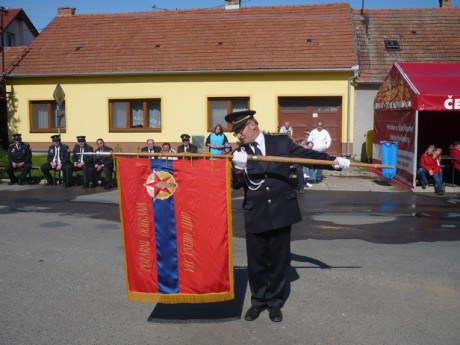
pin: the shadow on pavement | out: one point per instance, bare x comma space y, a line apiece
205, 312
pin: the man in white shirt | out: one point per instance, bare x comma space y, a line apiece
287, 129
321, 142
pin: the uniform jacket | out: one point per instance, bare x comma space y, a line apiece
64, 153
191, 148
104, 160
21, 154
274, 204
155, 149
87, 159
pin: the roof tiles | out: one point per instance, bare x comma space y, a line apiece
424, 35
252, 38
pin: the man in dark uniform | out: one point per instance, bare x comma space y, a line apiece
270, 208
19, 157
59, 160
104, 163
84, 162
151, 148
186, 146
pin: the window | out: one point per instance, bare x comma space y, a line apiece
326, 104
141, 115
392, 44
43, 116
10, 40
218, 107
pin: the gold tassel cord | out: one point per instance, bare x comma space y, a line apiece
272, 159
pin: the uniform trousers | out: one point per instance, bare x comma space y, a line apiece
269, 258
25, 171
66, 170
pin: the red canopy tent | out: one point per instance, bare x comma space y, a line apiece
418, 104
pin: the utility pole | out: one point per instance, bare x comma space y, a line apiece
3, 107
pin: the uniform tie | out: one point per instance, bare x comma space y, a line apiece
56, 155
256, 149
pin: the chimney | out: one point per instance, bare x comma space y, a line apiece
232, 4
445, 3
66, 11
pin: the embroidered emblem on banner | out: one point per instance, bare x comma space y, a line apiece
160, 185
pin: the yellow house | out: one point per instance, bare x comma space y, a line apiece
133, 76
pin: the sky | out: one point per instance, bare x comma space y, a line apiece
41, 12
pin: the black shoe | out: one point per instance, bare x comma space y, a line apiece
11, 183
109, 186
424, 187
49, 183
67, 185
85, 186
275, 314
253, 313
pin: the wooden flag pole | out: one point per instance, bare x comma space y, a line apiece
273, 159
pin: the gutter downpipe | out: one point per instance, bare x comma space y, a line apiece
355, 70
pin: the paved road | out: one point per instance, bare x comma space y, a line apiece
369, 267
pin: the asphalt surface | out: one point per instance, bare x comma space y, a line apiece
370, 265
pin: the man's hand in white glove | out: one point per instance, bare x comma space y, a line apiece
240, 159
343, 163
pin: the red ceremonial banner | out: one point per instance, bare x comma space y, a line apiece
177, 230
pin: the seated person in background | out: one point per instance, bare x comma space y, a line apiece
186, 146
166, 148
287, 129
84, 162
454, 151
300, 170
227, 148
430, 165
104, 163
151, 147
19, 157
59, 160
216, 141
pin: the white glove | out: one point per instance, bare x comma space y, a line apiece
240, 158
343, 163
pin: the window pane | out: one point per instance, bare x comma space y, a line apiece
239, 105
326, 104
137, 114
154, 118
218, 112
119, 115
40, 115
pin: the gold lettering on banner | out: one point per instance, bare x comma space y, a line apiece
187, 242
144, 251
144, 256
142, 219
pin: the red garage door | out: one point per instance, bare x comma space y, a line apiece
305, 112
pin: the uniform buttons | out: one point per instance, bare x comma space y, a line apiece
266, 176
267, 188
269, 201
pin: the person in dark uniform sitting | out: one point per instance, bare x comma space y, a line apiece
19, 157
104, 163
84, 162
151, 148
59, 160
186, 146
270, 208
